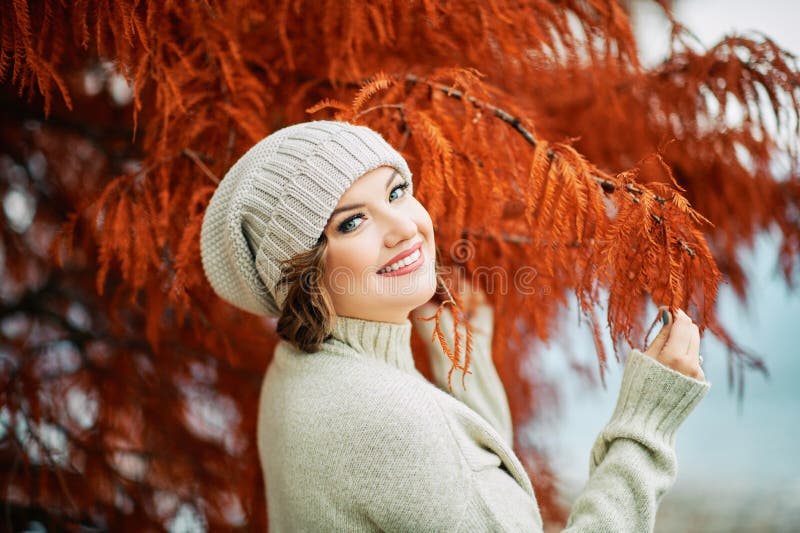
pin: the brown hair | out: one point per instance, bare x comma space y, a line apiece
307, 316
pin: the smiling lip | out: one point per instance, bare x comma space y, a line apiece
408, 268
402, 255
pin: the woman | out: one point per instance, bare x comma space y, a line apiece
317, 225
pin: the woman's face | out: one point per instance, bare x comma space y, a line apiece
375, 221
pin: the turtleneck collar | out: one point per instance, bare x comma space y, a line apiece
383, 341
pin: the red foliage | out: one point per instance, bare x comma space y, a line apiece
540, 146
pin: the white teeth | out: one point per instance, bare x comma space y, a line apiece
400, 264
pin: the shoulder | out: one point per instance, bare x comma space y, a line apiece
375, 438
346, 401
402, 462
380, 404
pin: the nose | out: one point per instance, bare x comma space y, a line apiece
399, 227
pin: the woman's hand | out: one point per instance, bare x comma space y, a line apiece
677, 346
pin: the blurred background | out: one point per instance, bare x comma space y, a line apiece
738, 465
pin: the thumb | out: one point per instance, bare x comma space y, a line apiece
661, 339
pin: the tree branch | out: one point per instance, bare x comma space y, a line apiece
607, 185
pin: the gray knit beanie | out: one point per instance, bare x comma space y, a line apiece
275, 201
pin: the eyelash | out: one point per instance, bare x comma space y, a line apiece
402, 186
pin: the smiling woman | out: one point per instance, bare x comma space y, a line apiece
381, 260
317, 225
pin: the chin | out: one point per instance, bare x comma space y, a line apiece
404, 293
405, 303
410, 300
422, 296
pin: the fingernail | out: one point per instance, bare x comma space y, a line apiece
665, 317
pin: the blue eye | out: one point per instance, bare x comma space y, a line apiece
347, 225
350, 225
402, 187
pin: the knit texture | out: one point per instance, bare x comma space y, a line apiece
354, 438
275, 201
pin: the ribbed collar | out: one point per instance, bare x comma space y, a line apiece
382, 341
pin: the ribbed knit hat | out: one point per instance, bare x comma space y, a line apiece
275, 201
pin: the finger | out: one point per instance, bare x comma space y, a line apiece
693, 351
693, 354
678, 341
658, 342
700, 375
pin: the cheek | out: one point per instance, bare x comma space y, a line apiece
422, 217
350, 258
425, 225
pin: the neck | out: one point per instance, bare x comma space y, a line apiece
388, 342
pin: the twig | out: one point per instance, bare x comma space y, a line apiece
505, 116
45, 451
191, 154
379, 106
686, 247
513, 238
607, 185
516, 123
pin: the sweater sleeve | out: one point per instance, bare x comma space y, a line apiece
422, 470
633, 462
484, 392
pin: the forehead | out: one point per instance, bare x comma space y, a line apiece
373, 181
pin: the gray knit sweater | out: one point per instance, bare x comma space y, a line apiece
354, 438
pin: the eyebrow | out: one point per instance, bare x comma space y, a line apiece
356, 206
